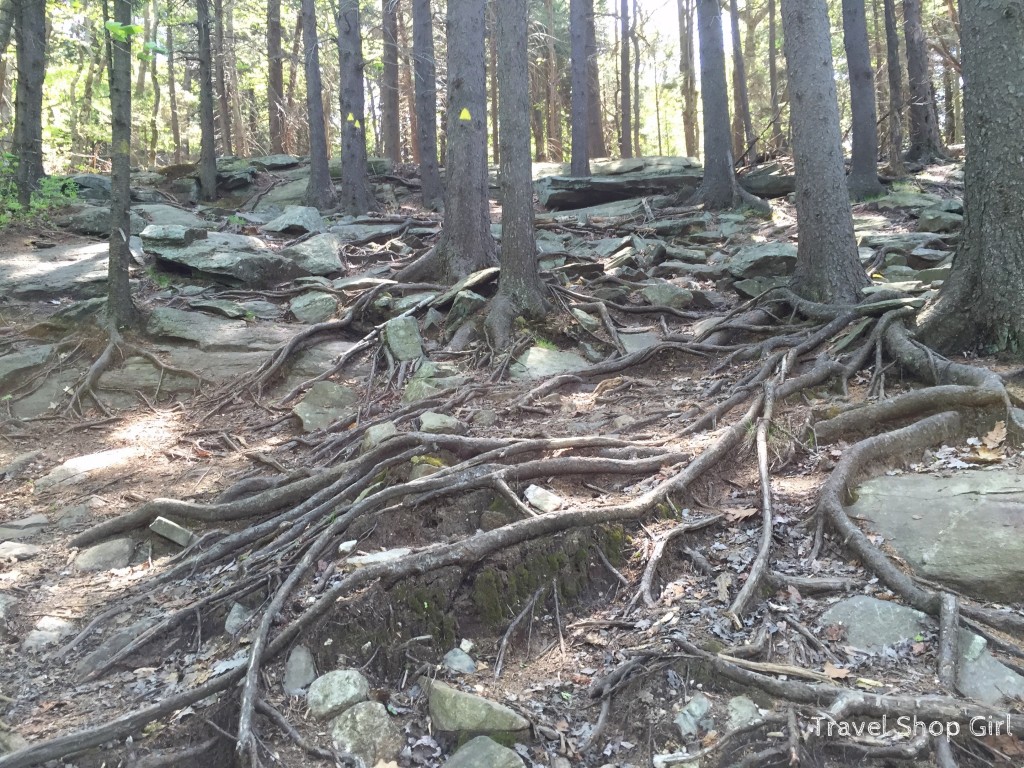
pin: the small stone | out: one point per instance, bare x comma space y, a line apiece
543, 499
402, 336
483, 751
324, 404
313, 307
49, 630
464, 305
320, 255
366, 730
742, 712
333, 693
171, 235
485, 417
938, 220
377, 434
691, 721
237, 619
441, 424
665, 294
456, 711
19, 464
106, 555
23, 528
299, 670
458, 661
375, 558
171, 530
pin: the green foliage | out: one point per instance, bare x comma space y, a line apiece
121, 32
52, 193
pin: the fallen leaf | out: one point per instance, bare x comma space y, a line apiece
1006, 743
794, 594
864, 682
741, 513
835, 632
919, 649
836, 673
997, 436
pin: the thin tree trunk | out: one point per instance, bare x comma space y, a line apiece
635, 43
120, 310
7, 13
356, 196
207, 152
424, 71
275, 77
595, 112
408, 95
293, 77
155, 114
555, 151
949, 102
224, 102
625, 107
320, 189
580, 164
520, 290
895, 69
688, 77
147, 34
925, 141
828, 268
492, 71
241, 141
172, 95
389, 102
863, 181
83, 107
746, 136
778, 139
30, 36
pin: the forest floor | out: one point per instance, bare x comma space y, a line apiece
635, 612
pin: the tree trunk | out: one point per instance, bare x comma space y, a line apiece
293, 77
389, 102
981, 305
466, 244
408, 95
688, 77
625, 106
895, 68
140, 81
925, 141
207, 152
97, 65
778, 139
275, 77
154, 116
356, 196
172, 95
555, 151
240, 140
320, 189
424, 71
520, 290
745, 136
635, 46
7, 14
595, 112
30, 37
580, 165
828, 268
719, 188
949, 96
863, 181
492, 72
224, 103
120, 310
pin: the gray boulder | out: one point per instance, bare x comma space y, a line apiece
169, 215
313, 307
48, 630
234, 260
402, 337
106, 556
441, 424
694, 718
171, 235
939, 220
661, 293
366, 730
15, 365
320, 255
297, 219
483, 751
541, 362
333, 693
763, 260
459, 662
456, 711
325, 403
299, 670
94, 220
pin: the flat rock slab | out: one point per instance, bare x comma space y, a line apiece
81, 468
15, 550
297, 219
320, 255
324, 404
49, 630
162, 215
484, 751
456, 711
213, 333
24, 528
540, 362
77, 271
106, 556
230, 259
15, 366
966, 530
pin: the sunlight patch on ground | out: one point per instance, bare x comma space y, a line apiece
149, 430
30, 268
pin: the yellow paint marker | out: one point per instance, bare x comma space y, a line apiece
464, 115
351, 118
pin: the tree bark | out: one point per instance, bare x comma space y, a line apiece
925, 141
688, 77
863, 180
275, 77
778, 139
240, 139
580, 164
492, 75
356, 196
466, 244
30, 36
745, 136
595, 132
223, 92
424, 72
895, 70
981, 305
207, 152
405, 84
320, 192
520, 290
154, 116
554, 111
625, 106
7, 14
828, 268
172, 94
635, 46
293, 78
389, 101
120, 309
